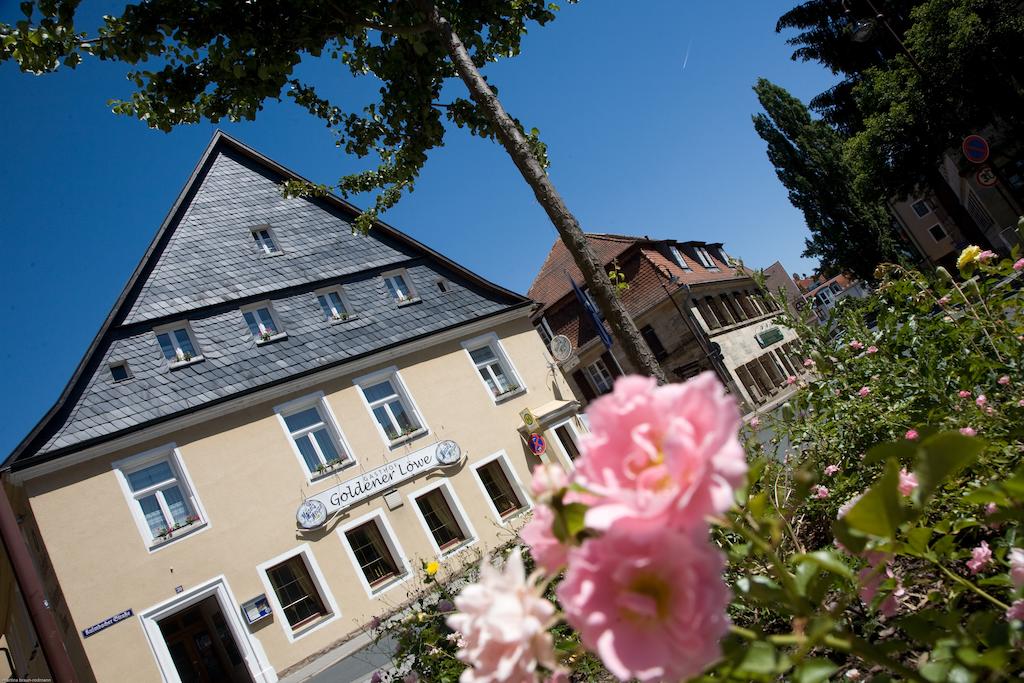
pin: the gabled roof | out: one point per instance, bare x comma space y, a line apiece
202, 266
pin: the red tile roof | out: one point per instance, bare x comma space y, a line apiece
552, 282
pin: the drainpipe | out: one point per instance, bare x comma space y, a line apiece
31, 586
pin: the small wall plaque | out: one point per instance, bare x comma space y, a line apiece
256, 609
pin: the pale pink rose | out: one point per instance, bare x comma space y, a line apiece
547, 551
968, 431
985, 256
911, 435
1017, 567
503, 620
821, 492
755, 422
870, 579
856, 345
853, 675
791, 379
1016, 611
989, 410
980, 558
991, 509
963, 393
548, 480
808, 362
661, 456
1004, 380
1018, 264
652, 606
943, 301
831, 470
981, 400
908, 482
864, 391
872, 349
1020, 403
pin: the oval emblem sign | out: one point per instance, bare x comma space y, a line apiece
448, 452
311, 514
537, 444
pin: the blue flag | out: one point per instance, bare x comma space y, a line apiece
593, 314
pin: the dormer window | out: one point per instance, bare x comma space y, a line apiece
399, 289
262, 323
677, 256
119, 371
334, 305
705, 258
178, 344
265, 240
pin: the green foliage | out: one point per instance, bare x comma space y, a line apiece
196, 60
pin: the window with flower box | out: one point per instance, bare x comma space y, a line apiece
399, 287
262, 322
390, 405
492, 364
315, 436
178, 344
334, 305
160, 495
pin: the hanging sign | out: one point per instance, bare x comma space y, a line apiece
106, 623
314, 510
528, 418
976, 149
986, 177
537, 444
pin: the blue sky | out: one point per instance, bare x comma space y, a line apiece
645, 107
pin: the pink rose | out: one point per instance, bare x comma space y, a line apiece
991, 509
547, 551
1004, 380
1016, 611
981, 400
963, 393
856, 345
808, 362
1020, 403
870, 579
980, 557
1019, 264
661, 456
864, 391
652, 606
872, 349
985, 256
908, 482
548, 480
821, 492
990, 410
853, 675
831, 470
968, 431
1017, 567
755, 422
503, 620
791, 379
911, 435
943, 301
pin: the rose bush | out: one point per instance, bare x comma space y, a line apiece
882, 543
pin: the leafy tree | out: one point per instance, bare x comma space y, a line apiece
848, 231
217, 59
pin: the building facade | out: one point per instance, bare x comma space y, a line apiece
823, 294
695, 311
277, 425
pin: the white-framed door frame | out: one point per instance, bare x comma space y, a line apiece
563, 456
248, 645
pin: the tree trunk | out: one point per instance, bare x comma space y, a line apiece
951, 204
514, 141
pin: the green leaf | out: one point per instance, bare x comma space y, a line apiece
814, 671
826, 560
943, 456
918, 538
879, 511
568, 521
761, 658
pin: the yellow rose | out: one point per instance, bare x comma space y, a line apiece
968, 256
432, 568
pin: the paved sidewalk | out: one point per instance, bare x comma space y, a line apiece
352, 662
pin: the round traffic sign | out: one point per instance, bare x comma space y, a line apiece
975, 149
986, 177
538, 444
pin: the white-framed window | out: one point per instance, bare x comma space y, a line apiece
493, 366
501, 487
373, 547
298, 593
120, 371
391, 406
315, 436
600, 377
334, 304
937, 232
544, 330
399, 286
921, 208
178, 344
567, 436
262, 322
705, 258
160, 495
677, 256
443, 518
265, 242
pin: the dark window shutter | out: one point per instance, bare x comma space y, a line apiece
609, 362
581, 381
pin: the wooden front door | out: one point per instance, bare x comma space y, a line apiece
201, 646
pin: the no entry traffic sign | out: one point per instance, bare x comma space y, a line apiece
976, 149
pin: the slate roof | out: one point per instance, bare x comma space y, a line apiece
203, 265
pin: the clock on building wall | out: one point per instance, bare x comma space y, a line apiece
448, 452
311, 514
561, 348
